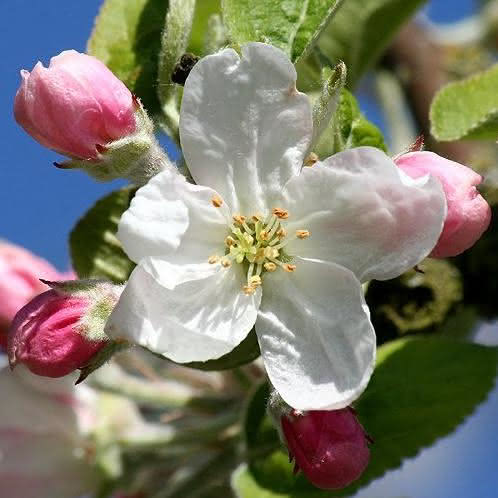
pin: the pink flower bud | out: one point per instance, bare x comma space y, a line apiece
20, 271
330, 447
468, 215
75, 106
46, 335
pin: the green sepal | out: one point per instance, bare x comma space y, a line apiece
102, 357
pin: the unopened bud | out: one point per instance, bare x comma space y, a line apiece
329, 447
468, 213
61, 330
77, 107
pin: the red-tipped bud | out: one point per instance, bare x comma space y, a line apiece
47, 337
329, 447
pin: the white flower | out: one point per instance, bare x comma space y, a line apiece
263, 242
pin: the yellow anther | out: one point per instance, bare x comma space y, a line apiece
289, 268
226, 263
283, 214
257, 217
263, 235
238, 218
216, 201
255, 281
311, 159
270, 266
249, 290
213, 259
230, 241
282, 233
302, 234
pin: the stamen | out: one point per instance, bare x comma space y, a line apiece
302, 234
230, 241
283, 214
273, 230
289, 268
257, 217
255, 281
282, 233
225, 262
271, 252
216, 201
271, 267
311, 159
247, 228
238, 218
213, 259
249, 273
249, 290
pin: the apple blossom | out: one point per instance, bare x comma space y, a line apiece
468, 215
330, 447
59, 332
75, 105
20, 273
262, 242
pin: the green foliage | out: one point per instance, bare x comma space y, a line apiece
245, 352
95, 250
467, 108
422, 389
362, 29
292, 25
415, 301
349, 128
127, 38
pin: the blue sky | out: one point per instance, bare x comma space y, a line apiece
40, 204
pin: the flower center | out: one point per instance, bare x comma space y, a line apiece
259, 243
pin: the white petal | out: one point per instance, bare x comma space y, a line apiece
244, 127
172, 218
186, 313
316, 339
365, 214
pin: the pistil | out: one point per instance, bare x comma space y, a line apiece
259, 243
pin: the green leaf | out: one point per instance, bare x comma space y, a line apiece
95, 250
127, 38
362, 29
245, 485
349, 129
467, 108
245, 352
292, 25
422, 389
